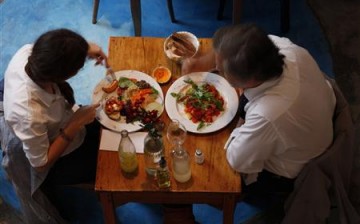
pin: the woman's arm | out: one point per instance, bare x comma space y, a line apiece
84, 115
95, 52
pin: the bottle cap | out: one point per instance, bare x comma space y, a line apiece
198, 152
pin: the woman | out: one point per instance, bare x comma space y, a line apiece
38, 107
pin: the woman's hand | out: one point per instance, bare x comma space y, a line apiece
84, 115
95, 52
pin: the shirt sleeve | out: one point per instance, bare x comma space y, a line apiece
252, 144
35, 140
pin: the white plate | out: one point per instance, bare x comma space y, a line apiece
176, 111
99, 96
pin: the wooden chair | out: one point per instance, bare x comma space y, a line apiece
135, 7
325, 181
236, 13
237, 7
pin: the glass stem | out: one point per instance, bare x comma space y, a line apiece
178, 147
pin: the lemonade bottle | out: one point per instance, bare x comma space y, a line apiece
127, 154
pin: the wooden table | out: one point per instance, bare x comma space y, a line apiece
213, 182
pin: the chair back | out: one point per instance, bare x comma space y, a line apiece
326, 179
35, 205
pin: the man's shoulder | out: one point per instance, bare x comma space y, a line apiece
280, 41
269, 107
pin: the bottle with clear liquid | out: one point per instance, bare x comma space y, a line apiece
181, 168
162, 174
127, 154
153, 151
181, 164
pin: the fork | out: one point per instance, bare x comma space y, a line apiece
110, 75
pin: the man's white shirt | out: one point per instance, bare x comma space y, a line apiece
288, 120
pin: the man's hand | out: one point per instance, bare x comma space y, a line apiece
240, 122
199, 63
239, 91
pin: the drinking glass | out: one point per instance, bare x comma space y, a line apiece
176, 133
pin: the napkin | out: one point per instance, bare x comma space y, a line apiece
110, 140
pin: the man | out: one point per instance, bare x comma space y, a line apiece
288, 118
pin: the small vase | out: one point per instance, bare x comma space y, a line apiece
153, 151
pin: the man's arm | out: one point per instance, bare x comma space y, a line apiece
199, 63
251, 145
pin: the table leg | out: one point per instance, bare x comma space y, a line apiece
95, 11
237, 8
135, 6
228, 209
106, 201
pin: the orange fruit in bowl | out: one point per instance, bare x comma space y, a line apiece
161, 74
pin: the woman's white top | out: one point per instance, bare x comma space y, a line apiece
35, 115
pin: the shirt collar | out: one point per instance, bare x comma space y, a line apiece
290, 71
40, 94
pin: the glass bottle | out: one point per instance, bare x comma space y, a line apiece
153, 151
181, 166
127, 154
162, 174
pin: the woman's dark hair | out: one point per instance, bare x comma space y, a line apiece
248, 53
56, 56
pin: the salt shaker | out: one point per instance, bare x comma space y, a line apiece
199, 156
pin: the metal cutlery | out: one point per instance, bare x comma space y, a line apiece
110, 75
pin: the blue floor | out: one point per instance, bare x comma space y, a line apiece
22, 22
